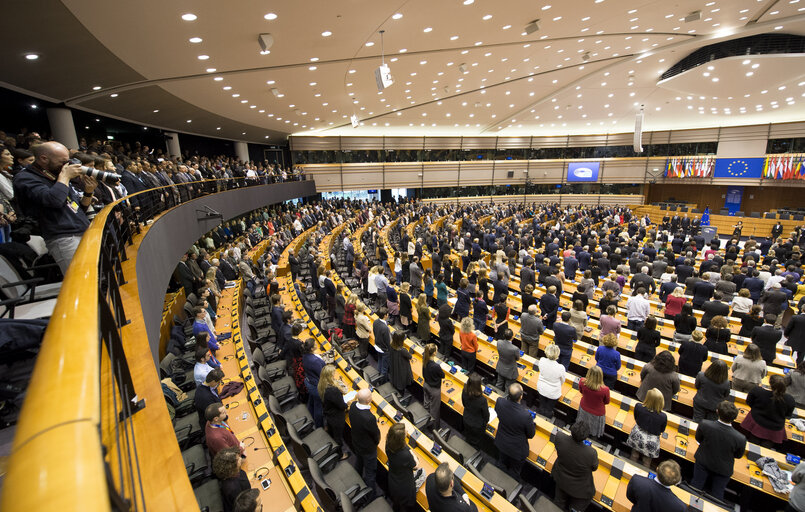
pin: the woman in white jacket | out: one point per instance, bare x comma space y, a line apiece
551, 378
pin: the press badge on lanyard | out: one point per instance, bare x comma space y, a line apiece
73, 205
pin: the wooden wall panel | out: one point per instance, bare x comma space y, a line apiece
755, 199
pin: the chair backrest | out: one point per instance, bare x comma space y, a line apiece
165, 364
526, 505
346, 504
258, 357
8, 274
327, 498
784, 216
192, 299
443, 442
799, 217
771, 216
299, 448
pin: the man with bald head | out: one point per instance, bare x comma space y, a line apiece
365, 436
58, 195
515, 428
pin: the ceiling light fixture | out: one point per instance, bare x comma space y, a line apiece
531, 27
195, 40
189, 17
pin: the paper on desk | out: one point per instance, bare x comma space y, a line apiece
350, 396
492, 415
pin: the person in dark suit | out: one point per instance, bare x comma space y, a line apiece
564, 336
702, 291
515, 428
714, 308
508, 355
774, 301
573, 470
571, 264
380, 329
365, 437
719, 443
527, 274
293, 262
207, 393
777, 230
476, 410
656, 496
185, 277
444, 492
548, 307
795, 332
755, 285
766, 337
402, 462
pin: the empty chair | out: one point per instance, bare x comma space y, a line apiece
272, 370
535, 500
785, 216
188, 430
771, 215
195, 462
340, 478
501, 481
799, 216
755, 215
24, 296
317, 445
298, 416
415, 412
372, 376
378, 505
208, 496
455, 446
257, 309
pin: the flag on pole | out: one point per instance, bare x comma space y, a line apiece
706, 217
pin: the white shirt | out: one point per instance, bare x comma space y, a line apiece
551, 378
637, 308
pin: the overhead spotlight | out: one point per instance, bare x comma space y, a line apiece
532, 27
275, 92
637, 144
693, 16
463, 68
266, 41
586, 56
383, 73
354, 120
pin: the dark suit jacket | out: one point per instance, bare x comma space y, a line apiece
365, 433
713, 308
515, 428
719, 444
795, 330
548, 305
574, 467
702, 292
766, 337
774, 301
649, 496
203, 398
382, 335
564, 335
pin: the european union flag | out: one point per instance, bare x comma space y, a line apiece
739, 168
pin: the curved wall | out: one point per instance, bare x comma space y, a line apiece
171, 235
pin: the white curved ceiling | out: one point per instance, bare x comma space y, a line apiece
512, 84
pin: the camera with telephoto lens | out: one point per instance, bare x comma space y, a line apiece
108, 177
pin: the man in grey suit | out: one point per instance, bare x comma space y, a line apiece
527, 274
719, 443
508, 354
416, 276
530, 330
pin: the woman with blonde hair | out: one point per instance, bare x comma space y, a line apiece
594, 398
363, 329
674, 302
551, 377
334, 408
578, 318
469, 343
748, 369
650, 423
423, 318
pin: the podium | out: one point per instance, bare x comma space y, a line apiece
709, 232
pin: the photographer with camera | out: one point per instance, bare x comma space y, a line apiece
50, 190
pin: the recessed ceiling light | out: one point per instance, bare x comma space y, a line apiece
113, 95
506, 27
265, 52
312, 84
211, 70
396, 16
453, 38
270, 16
203, 57
189, 120
427, 29
218, 78
487, 17
31, 56
156, 110
370, 43
189, 17
195, 40
468, 2
313, 68
326, 33
236, 95
96, 88
271, 82
228, 88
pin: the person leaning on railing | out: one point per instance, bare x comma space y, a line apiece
50, 191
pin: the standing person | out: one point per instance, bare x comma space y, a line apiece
446, 329
650, 423
515, 428
565, 337
550, 380
48, 190
594, 398
712, 387
648, 339
423, 318
692, 354
402, 464
795, 332
469, 344
741, 304
719, 444
501, 316
718, 335
684, 324
531, 329
349, 315
609, 359
227, 466
441, 290
748, 369
363, 329
795, 380
476, 410
400, 374
674, 303
769, 409
578, 318
548, 306
766, 337
753, 318
433, 374
637, 309
365, 437
573, 469
796, 501
480, 311
609, 322
313, 364
660, 373
333, 405
508, 355
382, 340
657, 496
406, 316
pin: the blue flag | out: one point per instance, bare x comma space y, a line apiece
706, 217
739, 168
